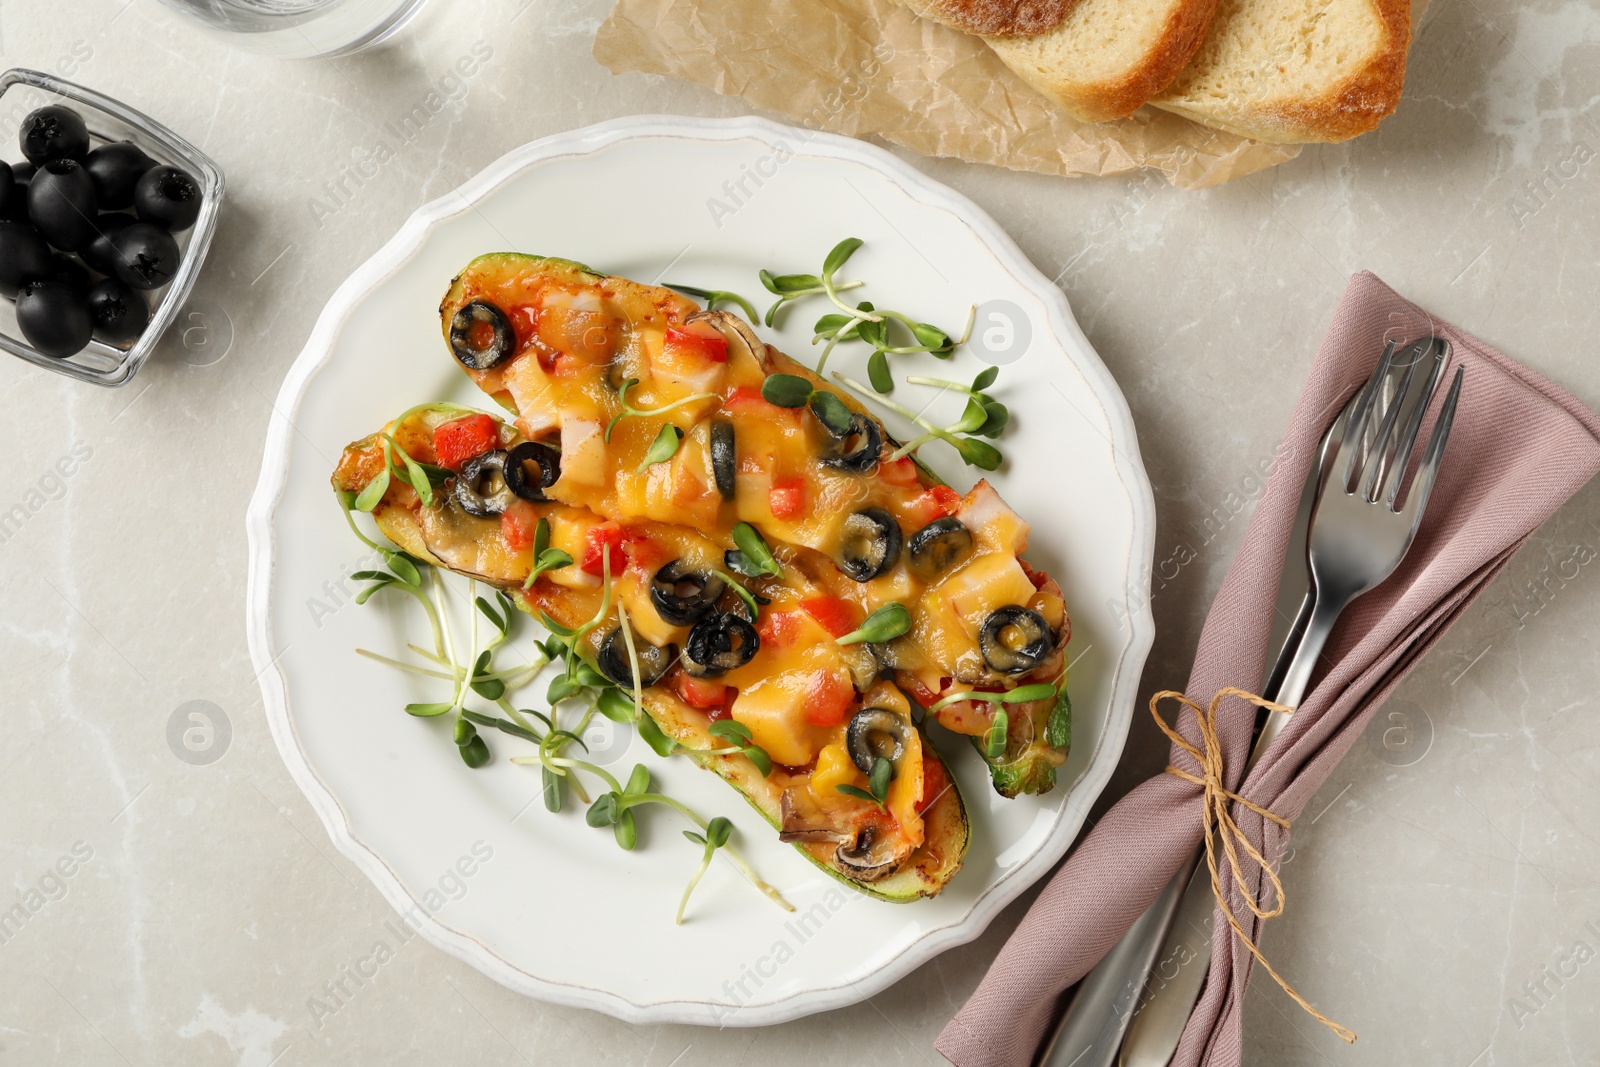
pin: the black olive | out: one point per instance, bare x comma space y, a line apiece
939, 546
146, 255
16, 204
24, 257
718, 644
654, 660
1014, 640
871, 544
115, 169
61, 204
8, 186
481, 335
119, 314
874, 734
724, 456
481, 488
683, 595
23, 173
54, 318
532, 468
54, 132
98, 253
857, 450
69, 272
168, 197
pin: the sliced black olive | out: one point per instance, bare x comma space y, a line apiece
723, 456
481, 335
481, 487
654, 660
1014, 640
531, 468
938, 547
683, 595
871, 544
718, 644
874, 734
857, 450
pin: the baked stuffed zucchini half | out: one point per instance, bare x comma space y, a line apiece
653, 608
663, 412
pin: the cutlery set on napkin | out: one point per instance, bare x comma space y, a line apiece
1389, 537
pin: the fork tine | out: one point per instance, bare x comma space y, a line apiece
1350, 450
1408, 440
1377, 459
1417, 499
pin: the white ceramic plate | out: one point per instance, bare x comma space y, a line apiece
542, 902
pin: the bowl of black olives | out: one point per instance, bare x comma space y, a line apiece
105, 219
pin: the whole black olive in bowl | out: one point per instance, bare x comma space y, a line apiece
24, 257
69, 272
147, 256
115, 169
168, 197
119, 314
61, 204
54, 132
98, 253
53, 318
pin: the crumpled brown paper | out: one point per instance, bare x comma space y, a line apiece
869, 67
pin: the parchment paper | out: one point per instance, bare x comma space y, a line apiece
869, 67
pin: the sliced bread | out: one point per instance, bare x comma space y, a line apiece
994, 18
1108, 57
1291, 71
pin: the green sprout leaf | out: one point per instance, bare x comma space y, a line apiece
885, 624
659, 743
368, 498
786, 390
717, 832
730, 730
662, 449
878, 372
759, 757
1058, 734
878, 778
832, 412
615, 705
994, 742
840, 253
754, 553
603, 812
626, 830
428, 711
475, 753
985, 378
638, 781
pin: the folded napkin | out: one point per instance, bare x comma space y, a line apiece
1519, 447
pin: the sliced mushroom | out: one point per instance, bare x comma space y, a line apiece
719, 643
874, 734
739, 334
800, 818
857, 450
481, 335
1014, 640
531, 468
938, 547
480, 488
870, 544
872, 855
654, 660
683, 595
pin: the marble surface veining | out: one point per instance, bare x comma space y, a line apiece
1444, 894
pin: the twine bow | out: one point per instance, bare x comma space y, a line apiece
1214, 813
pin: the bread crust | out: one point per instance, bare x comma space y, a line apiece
1353, 106
1119, 97
995, 18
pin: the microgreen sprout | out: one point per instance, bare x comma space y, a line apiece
716, 835
877, 791
629, 411
545, 558
663, 448
749, 598
793, 391
752, 558
713, 297
885, 624
984, 417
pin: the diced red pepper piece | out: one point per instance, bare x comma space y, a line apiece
901, 472
787, 498
461, 439
604, 540
828, 698
518, 524
702, 693
934, 782
778, 629
698, 339
837, 616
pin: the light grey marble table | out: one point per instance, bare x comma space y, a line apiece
1443, 886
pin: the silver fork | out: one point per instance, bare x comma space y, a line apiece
1091, 1030
1356, 538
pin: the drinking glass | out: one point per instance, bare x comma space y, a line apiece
301, 28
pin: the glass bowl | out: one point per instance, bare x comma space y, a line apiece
21, 91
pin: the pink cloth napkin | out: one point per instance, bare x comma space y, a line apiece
1520, 446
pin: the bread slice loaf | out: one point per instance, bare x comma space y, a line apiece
994, 18
1106, 58
1291, 71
